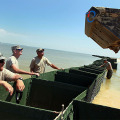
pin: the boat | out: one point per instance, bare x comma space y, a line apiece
58, 95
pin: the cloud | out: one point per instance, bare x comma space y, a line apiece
2, 31
11, 37
20, 39
6, 33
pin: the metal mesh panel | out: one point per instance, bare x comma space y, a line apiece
89, 111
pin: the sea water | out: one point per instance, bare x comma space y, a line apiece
109, 94
61, 59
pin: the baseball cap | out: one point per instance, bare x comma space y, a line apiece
16, 48
1, 57
40, 49
104, 59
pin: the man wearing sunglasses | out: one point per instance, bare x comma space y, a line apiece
6, 75
12, 62
39, 62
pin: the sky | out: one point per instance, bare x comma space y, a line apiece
53, 24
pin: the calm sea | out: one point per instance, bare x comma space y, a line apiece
109, 94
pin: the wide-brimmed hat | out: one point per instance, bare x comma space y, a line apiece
2, 57
39, 50
16, 48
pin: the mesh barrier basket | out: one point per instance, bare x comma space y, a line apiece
41, 100
91, 70
12, 111
43, 96
89, 111
51, 95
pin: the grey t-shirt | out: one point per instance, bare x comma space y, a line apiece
6, 75
12, 60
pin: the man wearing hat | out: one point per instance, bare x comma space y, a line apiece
6, 75
108, 66
12, 62
39, 62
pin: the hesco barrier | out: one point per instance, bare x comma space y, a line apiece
113, 61
87, 111
41, 99
73, 79
91, 70
54, 95
51, 95
95, 67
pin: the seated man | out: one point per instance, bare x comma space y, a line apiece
39, 62
108, 66
6, 75
12, 62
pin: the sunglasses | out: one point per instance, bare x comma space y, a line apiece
19, 49
2, 61
41, 51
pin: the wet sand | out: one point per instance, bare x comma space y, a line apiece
109, 94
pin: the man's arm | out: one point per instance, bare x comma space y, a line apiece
55, 67
19, 83
16, 70
7, 86
102, 65
52, 65
10, 76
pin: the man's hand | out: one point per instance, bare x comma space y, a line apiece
36, 74
8, 87
32, 73
60, 68
20, 85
